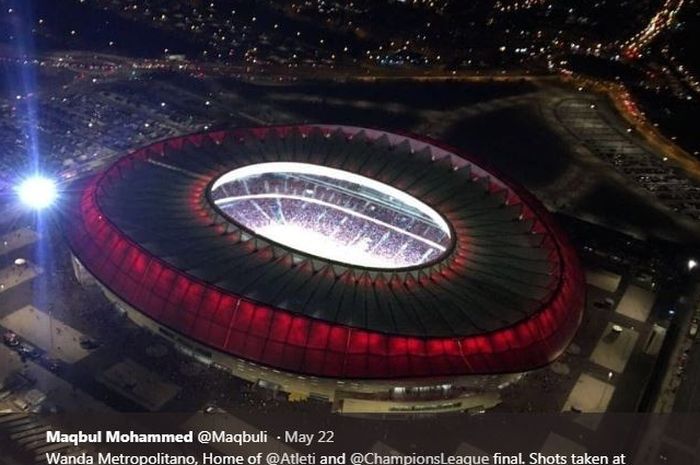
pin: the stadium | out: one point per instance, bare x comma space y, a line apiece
379, 271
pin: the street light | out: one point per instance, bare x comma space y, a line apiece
37, 192
692, 264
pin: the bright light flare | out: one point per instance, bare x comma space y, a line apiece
322, 245
37, 192
334, 214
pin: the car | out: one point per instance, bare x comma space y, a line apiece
35, 397
89, 344
607, 303
212, 408
52, 364
617, 328
28, 350
10, 339
21, 404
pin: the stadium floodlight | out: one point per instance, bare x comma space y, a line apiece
333, 214
37, 192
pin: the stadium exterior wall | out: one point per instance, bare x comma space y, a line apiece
465, 393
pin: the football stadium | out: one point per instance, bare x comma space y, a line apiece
379, 271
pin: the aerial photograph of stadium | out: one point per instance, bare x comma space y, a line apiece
407, 226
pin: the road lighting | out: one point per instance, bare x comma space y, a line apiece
37, 192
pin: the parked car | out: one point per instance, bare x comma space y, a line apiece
34, 399
10, 339
212, 408
52, 364
21, 404
88, 344
28, 350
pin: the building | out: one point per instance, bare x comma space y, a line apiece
378, 271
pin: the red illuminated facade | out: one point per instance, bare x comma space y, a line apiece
146, 274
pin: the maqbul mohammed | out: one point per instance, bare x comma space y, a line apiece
117, 437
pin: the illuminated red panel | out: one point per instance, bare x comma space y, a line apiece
209, 304
313, 361
260, 322
291, 359
274, 352
253, 348
244, 315
318, 335
225, 310
280, 327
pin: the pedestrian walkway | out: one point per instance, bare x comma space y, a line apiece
17, 239
59, 392
138, 384
615, 347
14, 275
636, 303
50, 334
590, 395
603, 279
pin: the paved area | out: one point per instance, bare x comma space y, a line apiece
139, 384
615, 348
590, 395
595, 125
17, 239
60, 393
50, 334
636, 303
13, 275
602, 279
654, 342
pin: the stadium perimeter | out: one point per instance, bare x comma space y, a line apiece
501, 293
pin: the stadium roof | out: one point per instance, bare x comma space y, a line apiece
508, 296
